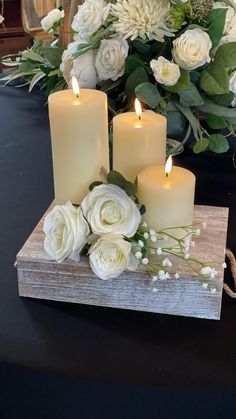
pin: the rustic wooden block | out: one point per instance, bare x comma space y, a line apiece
39, 277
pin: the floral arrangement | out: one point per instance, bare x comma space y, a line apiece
177, 56
109, 229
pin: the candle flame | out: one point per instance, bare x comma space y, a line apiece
75, 86
168, 166
138, 108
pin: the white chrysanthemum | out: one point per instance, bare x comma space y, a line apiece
146, 19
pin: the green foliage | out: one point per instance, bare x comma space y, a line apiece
132, 62
148, 94
191, 97
139, 75
53, 55
215, 23
201, 145
115, 178
215, 122
176, 123
182, 84
218, 143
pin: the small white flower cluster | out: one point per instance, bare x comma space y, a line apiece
208, 272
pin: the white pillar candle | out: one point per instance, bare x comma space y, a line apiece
139, 140
79, 133
169, 198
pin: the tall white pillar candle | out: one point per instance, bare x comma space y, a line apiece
79, 133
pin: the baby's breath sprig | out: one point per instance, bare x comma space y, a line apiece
157, 259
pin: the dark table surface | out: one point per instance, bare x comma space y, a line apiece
67, 361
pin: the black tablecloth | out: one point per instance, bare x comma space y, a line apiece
72, 361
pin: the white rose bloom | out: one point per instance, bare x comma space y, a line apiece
191, 49
82, 68
232, 86
110, 256
110, 58
53, 17
109, 210
165, 72
90, 17
231, 28
66, 232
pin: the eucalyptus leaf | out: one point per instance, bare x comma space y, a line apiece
148, 94
215, 122
176, 123
139, 75
226, 55
186, 111
214, 79
218, 143
213, 108
115, 178
132, 62
201, 145
191, 97
223, 100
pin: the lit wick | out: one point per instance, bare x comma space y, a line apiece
75, 86
168, 166
138, 108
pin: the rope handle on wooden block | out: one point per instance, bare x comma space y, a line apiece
230, 256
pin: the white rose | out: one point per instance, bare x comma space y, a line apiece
53, 17
108, 209
110, 256
110, 58
229, 28
232, 86
84, 70
191, 49
66, 232
165, 72
90, 17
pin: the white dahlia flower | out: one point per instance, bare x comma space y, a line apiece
146, 19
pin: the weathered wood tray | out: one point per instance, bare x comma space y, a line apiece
39, 277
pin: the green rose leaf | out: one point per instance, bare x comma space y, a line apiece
215, 22
115, 178
226, 55
131, 63
53, 55
136, 77
182, 84
148, 94
191, 97
223, 100
215, 80
215, 122
218, 143
201, 145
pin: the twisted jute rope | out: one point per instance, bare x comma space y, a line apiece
230, 256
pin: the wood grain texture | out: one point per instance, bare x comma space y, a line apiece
39, 277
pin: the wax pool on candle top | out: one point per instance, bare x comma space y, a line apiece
79, 132
169, 200
138, 142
